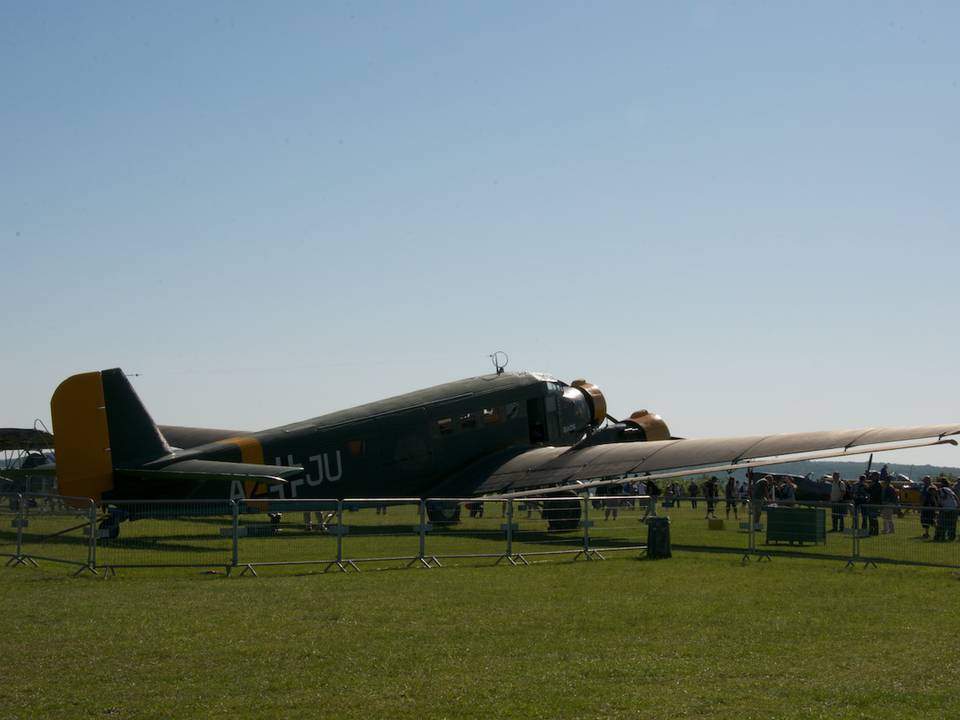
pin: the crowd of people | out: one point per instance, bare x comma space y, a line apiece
873, 499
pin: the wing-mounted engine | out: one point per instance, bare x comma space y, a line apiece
650, 425
641, 426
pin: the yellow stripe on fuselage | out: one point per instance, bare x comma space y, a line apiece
251, 451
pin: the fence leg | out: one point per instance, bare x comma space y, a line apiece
508, 553
93, 536
855, 544
750, 538
235, 537
92, 546
423, 536
339, 563
586, 528
21, 521
587, 552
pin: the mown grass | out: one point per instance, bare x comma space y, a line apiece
698, 636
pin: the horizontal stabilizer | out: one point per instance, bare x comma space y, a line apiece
48, 470
215, 470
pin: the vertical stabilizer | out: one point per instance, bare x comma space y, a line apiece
134, 437
99, 424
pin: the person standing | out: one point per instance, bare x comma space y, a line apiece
875, 498
694, 491
788, 492
928, 506
653, 490
948, 511
730, 496
890, 500
761, 490
711, 492
860, 497
612, 503
838, 490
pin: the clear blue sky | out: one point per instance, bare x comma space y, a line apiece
741, 215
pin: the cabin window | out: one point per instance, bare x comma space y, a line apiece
445, 426
468, 421
512, 410
491, 416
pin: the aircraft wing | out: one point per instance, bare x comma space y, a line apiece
585, 466
24, 439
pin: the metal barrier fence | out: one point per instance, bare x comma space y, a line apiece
811, 528
54, 528
166, 533
345, 535
9, 526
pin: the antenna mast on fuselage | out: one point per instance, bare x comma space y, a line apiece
500, 360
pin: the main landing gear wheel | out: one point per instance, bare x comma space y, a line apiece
562, 515
443, 513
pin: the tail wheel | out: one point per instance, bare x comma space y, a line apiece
110, 528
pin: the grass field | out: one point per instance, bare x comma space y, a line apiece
697, 636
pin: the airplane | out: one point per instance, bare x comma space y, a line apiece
495, 436
23, 449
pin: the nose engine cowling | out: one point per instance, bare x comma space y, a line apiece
582, 408
595, 399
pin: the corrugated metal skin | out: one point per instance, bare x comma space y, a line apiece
545, 467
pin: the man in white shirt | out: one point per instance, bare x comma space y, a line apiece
838, 489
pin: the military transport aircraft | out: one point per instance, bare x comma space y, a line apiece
509, 434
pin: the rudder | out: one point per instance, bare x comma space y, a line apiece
99, 423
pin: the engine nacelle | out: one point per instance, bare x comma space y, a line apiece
650, 424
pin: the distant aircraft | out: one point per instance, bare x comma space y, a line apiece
509, 434
22, 449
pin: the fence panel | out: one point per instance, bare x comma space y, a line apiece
382, 531
57, 528
548, 526
166, 533
806, 528
697, 522
286, 532
617, 522
387, 531
465, 528
9, 521
909, 534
